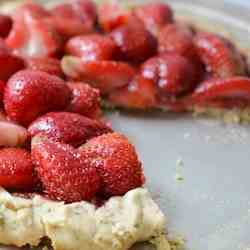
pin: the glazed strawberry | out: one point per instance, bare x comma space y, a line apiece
2, 87
177, 38
112, 15
154, 15
219, 55
5, 25
135, 43
65, 174
104, 75
92, 47
32, 33
9, 65
231, 92
16, 169
141, 93
12, 135
172, 73
116, 161
69, 128
85, 100
29, 94
74, 18
51, 66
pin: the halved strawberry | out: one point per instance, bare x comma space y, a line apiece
5, 25
29, 94
112, 15
32, 33
172, 73
141, 93
2, 87
51, 66
219, 55
135, 43
154, 15
104, 75
74, 18
229, 93
68, 127
92, 47
116, 161
16, 169
11, 134
65, 174
85, 100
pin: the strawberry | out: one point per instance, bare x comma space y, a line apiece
135, 43
32, 33
174, 74
29, 94
104, 75
141, 93
65, 174
16, 169
112, 15
12, 135
51, 66
219, 55
9, 64
116, 162
69, 128
154, 15
4, 49
92, 47
5, 25
74, 18
85, 100
177, 38
229, 93
2, 87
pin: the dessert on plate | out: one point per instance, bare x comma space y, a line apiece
66, 178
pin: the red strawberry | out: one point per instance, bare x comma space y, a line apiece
4, 49
92, 47
219, 55
12, 135
2, 87
85, 100
9, 65
177, 38
136, 44
104, 75
69, 128
32, 33
116, 161
231, 92
29, 94
16, 169
154, 15
51, 66
112, 15
65, 174
174, 74
75, 18
141, 93
5, 25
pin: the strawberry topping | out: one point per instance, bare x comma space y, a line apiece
68, 127
116, 162
16, 169
29, 94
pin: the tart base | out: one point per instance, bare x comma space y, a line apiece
117, 225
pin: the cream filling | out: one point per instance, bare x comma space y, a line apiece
117, 225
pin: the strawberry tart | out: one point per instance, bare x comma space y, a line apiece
66, 178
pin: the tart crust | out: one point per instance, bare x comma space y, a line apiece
117, 225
